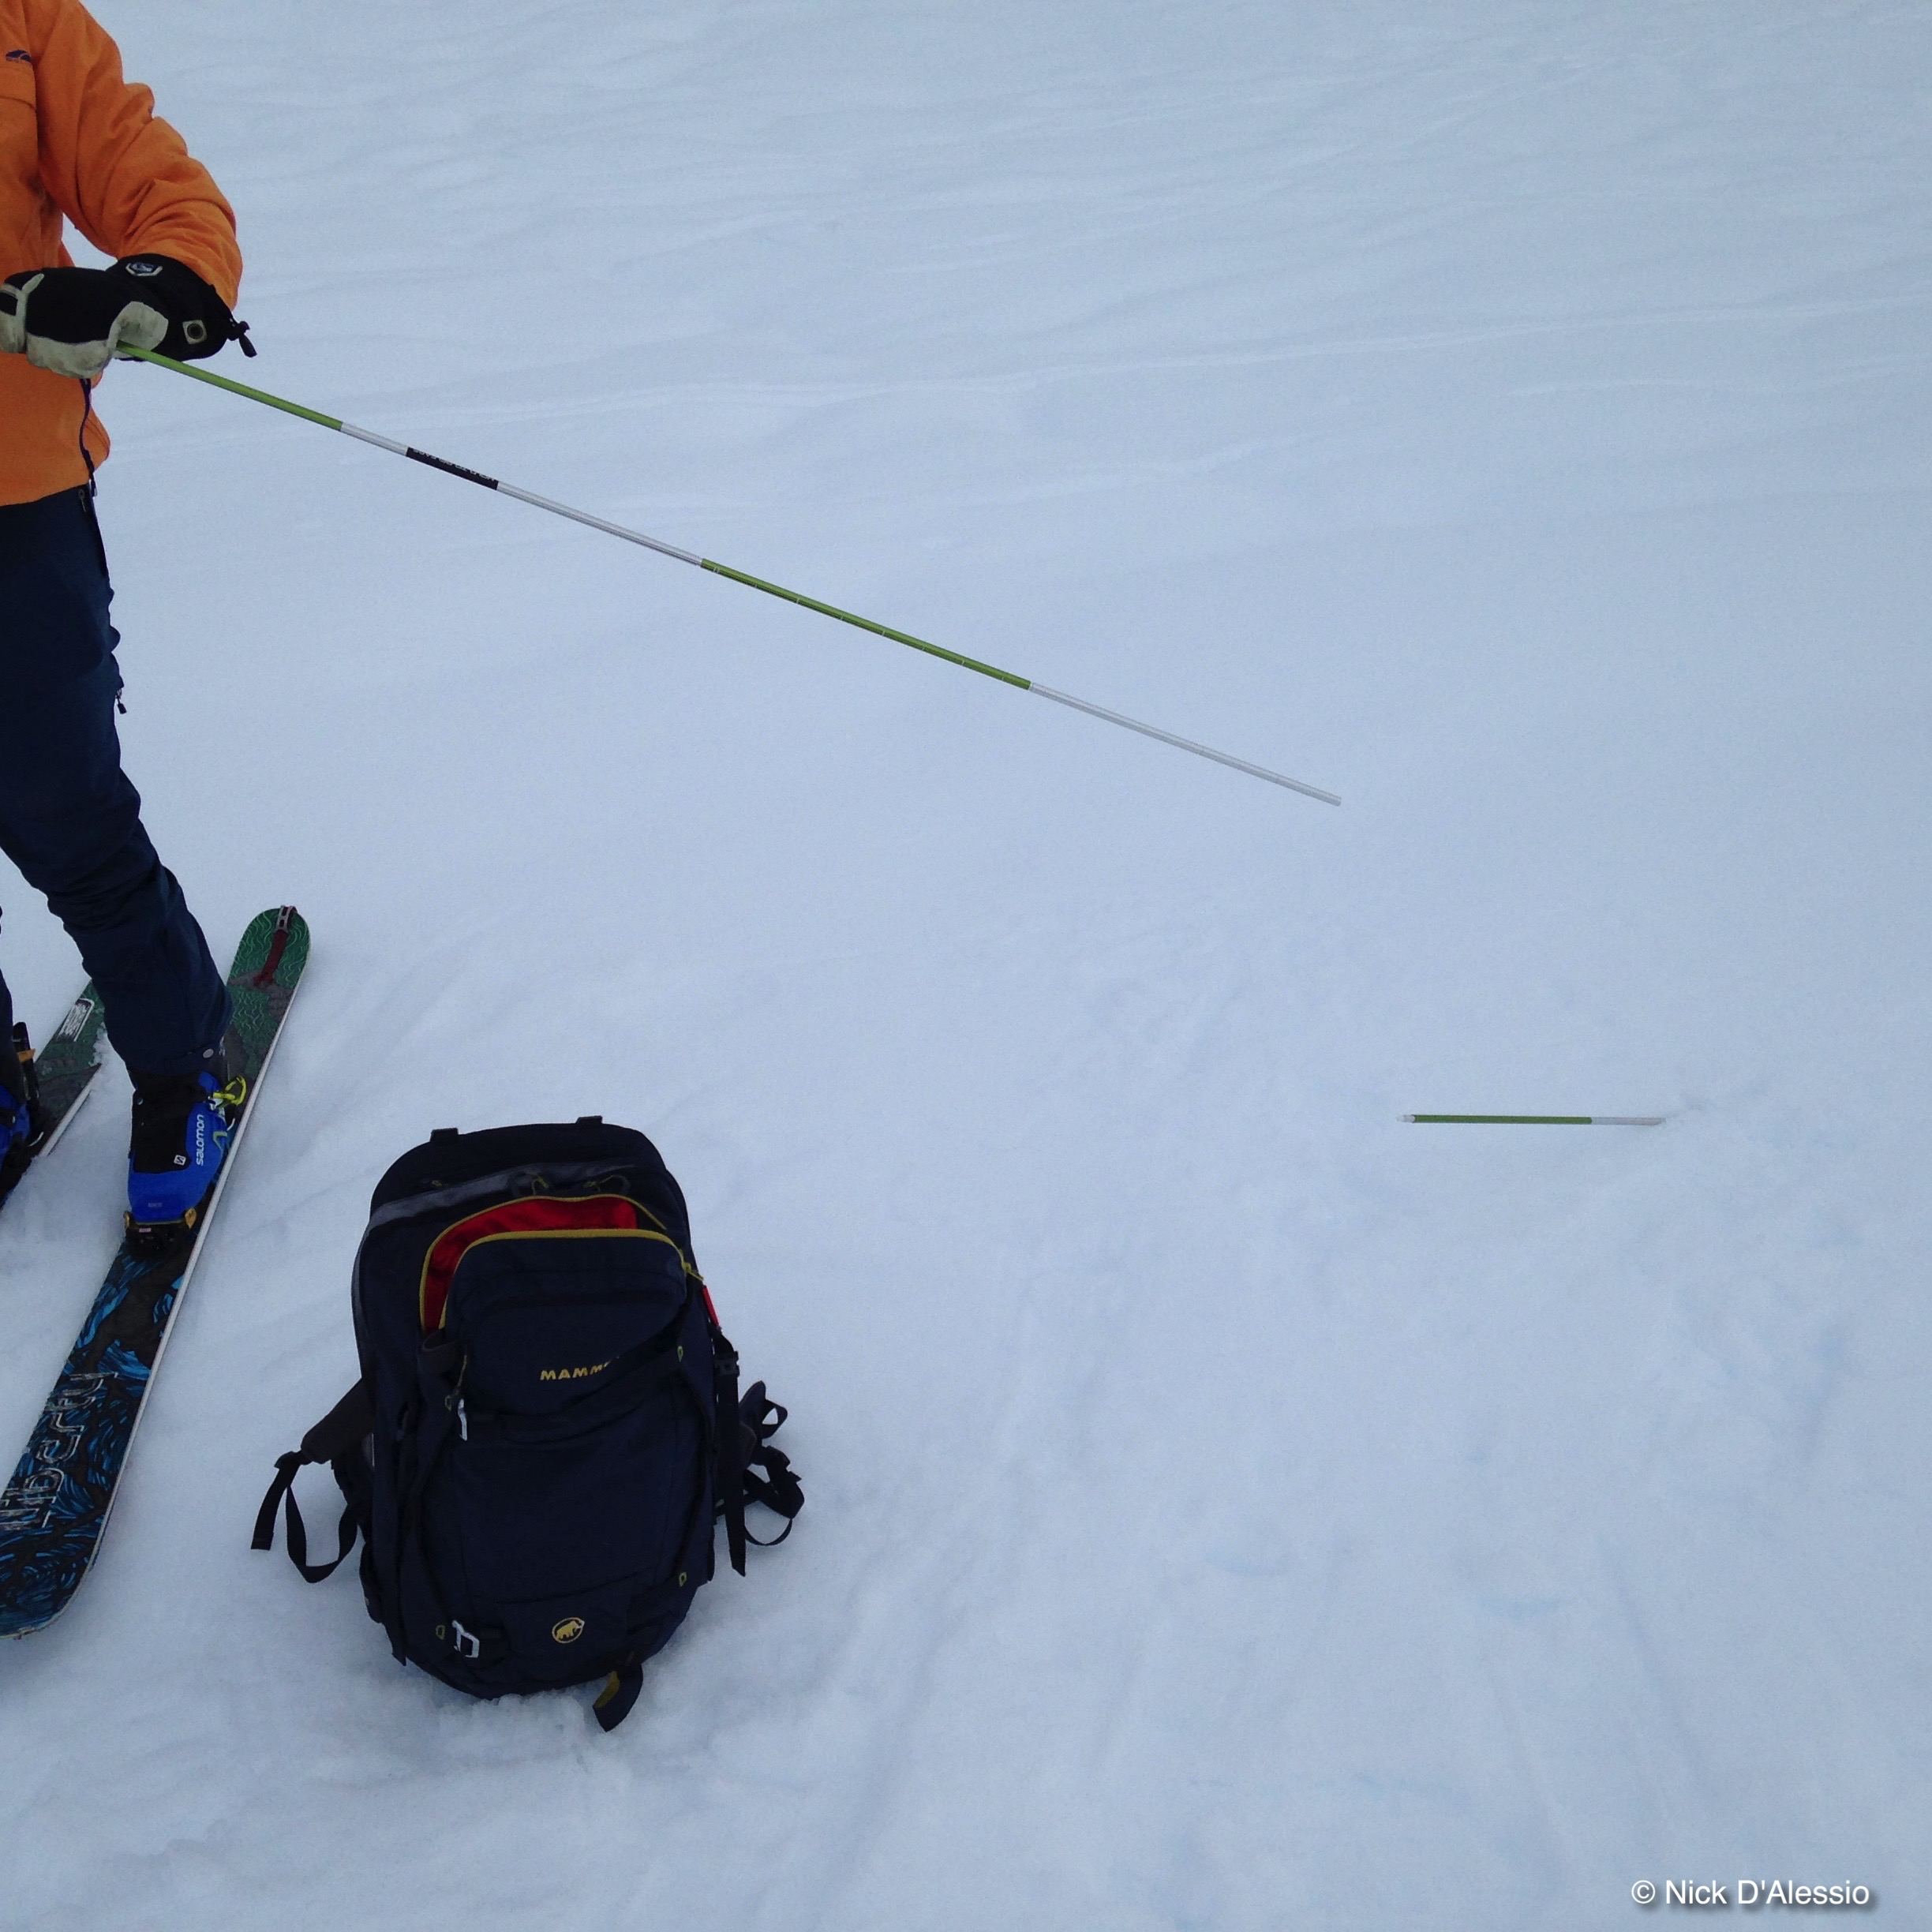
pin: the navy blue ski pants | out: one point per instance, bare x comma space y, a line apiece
68, 818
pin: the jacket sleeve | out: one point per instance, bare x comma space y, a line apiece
124, 178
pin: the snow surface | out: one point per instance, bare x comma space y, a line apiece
1228, 1506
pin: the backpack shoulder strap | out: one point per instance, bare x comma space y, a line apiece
336, 1440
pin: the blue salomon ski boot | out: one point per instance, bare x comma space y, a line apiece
20, 1123
182, 1124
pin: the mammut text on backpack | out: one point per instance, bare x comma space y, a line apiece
549, 1422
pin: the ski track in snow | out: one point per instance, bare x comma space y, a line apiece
1228, 1507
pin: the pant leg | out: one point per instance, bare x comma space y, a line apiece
9, 1066
69, 818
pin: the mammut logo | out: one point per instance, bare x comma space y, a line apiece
571, 1375
20, 53
567, 1629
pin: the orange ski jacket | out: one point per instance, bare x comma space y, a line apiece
79, 141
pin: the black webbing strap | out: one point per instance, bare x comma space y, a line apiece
295, 1533
778, 1488
728, 1442
340, 1433
620, 1693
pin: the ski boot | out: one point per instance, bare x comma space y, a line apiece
21, 1127
183, 1123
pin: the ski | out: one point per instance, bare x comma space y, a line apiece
61, 1076
55, 1510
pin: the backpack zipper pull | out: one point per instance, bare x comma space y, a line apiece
462, 1419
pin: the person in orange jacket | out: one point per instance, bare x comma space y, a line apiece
79, 144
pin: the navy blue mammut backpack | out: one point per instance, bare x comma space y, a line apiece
549, 1422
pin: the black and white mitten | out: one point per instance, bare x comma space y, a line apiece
74, 321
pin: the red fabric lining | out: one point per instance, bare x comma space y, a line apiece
534, 1214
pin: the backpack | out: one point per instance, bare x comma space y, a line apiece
548, 1423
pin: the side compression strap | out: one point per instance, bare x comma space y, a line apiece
778, 1489
339, 1434
727, 1445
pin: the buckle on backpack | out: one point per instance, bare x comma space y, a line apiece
465, 1641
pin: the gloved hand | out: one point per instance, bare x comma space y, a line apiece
74, 320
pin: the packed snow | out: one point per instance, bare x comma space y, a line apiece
1228, 1506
